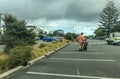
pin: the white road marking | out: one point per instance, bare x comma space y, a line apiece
82, 52
78, 72
93, 43
97, 43
95, 53
70, 76
74, 59
92, 49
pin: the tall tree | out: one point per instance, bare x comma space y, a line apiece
109, 16
16, 32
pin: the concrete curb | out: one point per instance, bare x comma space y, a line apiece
10, 71
29, 64
34, 60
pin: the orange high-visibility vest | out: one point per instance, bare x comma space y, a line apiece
80, 38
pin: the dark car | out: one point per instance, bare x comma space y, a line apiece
49, 39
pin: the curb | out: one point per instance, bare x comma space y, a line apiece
34, 60
29, 63
10, 71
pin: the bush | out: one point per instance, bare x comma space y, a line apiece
55, 42
19, 55
3, 63
42, 45
69, 36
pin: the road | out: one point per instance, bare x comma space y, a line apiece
101, 61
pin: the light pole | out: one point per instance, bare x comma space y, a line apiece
73, 33
73, 29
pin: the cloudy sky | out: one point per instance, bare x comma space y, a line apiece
80, 15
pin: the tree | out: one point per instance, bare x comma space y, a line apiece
58, 32
69, 36
50, 33
100, 32
117, 27
109, 16
16, 32
41, 31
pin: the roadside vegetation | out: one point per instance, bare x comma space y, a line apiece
44, 48
20, 41
109, 20
20, 55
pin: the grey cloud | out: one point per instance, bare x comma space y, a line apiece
79, 10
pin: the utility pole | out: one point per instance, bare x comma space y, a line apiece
73, 29
73, 32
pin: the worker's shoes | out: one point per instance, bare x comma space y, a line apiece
80, 49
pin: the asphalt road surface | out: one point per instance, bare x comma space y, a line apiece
101, 61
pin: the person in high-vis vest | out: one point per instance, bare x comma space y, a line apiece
80, 40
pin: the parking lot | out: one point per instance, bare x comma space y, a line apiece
99, 62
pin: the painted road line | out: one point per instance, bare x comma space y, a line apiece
70, 76
97, 43
78, 72
92, 49
82, 52
97, 53
74, 59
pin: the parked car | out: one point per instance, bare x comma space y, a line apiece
114, 38
49, 39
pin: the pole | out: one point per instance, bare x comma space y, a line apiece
73, 33
73, 29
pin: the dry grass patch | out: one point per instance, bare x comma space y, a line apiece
44, 48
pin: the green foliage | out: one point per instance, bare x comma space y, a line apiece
19, 55
58, 32
100, 32
116, 29
41, 31
16, 32
55, 42
109, 17
3, 64
69, 36
42, 45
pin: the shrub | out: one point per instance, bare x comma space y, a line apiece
3, 63
45, 48
37, 52
55, 42
42, 45
19, 55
